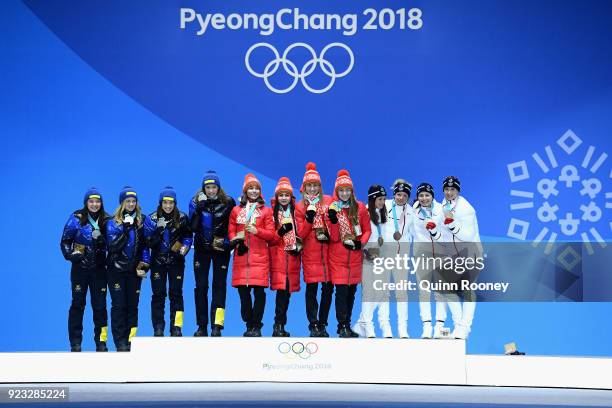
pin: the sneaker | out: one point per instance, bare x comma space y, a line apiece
101, 347
201, 332
215, 331
427, 330
461, 332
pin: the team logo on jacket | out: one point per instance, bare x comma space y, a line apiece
566, 201
300, 74
77, 288
298, 349
156, 276
117, 286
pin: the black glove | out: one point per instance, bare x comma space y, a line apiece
333, 215
310, 215
354, 246
242, 249
76, 257
201, 205
235, 242
284, 229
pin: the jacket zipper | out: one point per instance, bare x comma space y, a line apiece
247, 260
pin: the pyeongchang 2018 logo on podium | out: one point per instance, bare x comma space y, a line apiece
582, 181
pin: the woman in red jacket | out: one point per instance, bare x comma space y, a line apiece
313, 228
250, 229
284, 253
350, 231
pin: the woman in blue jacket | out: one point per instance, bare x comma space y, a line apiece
128, 262
83, 244
209, 212
169, 238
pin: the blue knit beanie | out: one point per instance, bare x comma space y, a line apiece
167, 193
127, 192
92, 192
211, 177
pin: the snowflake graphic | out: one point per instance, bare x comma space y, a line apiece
578, 224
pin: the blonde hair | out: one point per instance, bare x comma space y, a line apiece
400, 180
118, 216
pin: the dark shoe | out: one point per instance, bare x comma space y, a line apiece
345, 332
123, 347
322, 331
314, 330
248, 332
215, 331
158, 331
201, 332
279, 331
256, 332
176, 331
101, 346
75, 348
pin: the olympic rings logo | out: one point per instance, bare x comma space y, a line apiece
299, 74
299, 349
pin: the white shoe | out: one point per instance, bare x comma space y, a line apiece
440, 332
369, 330
461, 332
387, 333
427, 330
359, 328
402, 331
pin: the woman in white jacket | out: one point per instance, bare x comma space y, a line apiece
398, 239
427, 224
373, 298
461, 228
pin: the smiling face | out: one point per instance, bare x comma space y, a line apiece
253, 192
450, 193
312, 189
425, 199
284, 198
211, 190
401, 198
344, 193
93, 205
130, 204
167, 206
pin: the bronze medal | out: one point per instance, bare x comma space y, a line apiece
380, 241
397, 235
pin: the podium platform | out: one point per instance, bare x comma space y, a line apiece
304, 360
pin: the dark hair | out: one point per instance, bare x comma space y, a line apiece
84, 212
220, 194
277, 206
176, 215
374, 215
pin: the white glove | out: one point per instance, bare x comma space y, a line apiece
202, 196
183, 250
161, 223
128, 219
141, 273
